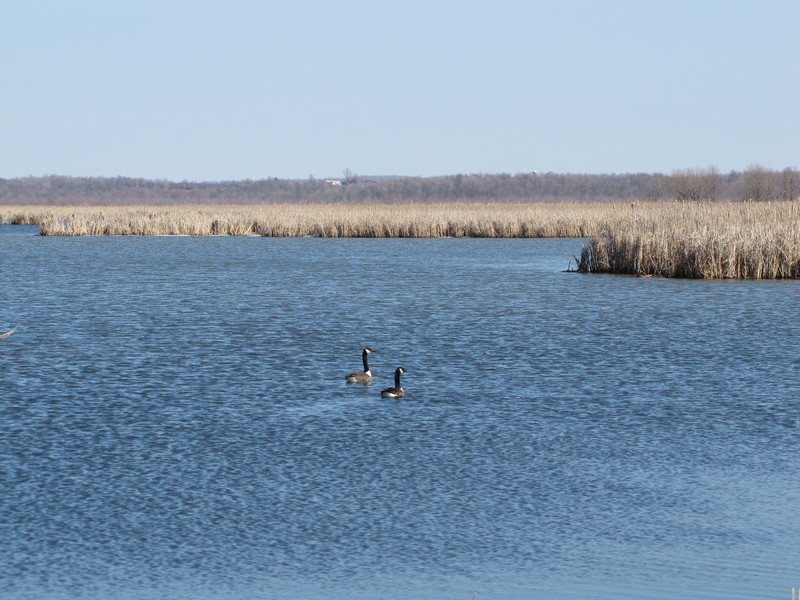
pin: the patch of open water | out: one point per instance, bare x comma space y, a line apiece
174, 422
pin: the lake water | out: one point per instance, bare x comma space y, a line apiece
174, 423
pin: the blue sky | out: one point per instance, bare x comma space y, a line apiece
231, 89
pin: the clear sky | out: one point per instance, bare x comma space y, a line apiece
233, 89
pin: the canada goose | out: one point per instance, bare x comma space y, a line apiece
396, 391
8, 334
364, 376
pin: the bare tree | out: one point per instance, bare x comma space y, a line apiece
790, 184
696, 184
758, 184
349, 176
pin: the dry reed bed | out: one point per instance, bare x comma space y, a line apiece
699, 240
317, 220
669, 239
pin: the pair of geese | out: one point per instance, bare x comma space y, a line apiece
365, 376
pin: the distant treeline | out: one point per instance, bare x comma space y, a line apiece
755, 183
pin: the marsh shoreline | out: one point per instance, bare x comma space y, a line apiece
707, 239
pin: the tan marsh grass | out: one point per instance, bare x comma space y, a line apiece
705, 240
317, 220
667, 239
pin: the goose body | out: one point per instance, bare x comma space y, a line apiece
364, 376
396, 391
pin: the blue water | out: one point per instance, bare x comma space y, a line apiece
174, 423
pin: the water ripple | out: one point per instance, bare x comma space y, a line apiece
174, 423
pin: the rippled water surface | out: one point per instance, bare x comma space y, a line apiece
174, 423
